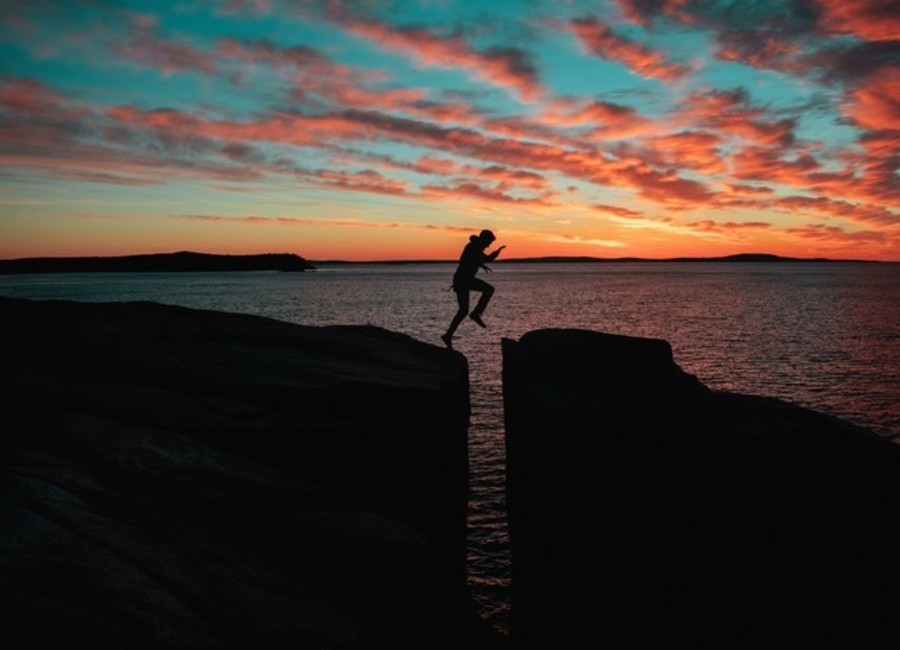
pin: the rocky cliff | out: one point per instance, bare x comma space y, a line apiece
182, 478
647, 511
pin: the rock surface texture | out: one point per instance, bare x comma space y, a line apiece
647, 511
182, 478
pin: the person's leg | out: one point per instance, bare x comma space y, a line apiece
486, 292
462, 297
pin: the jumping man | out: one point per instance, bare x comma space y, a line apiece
473, 258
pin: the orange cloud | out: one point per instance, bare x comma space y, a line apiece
30, 97
873, 20
144, 47
875, 104
263, 51
698, 150
618, 211
709, 225
642, 12
254, 220
838, 242
598, 39
607, 120
492, 194
740, 189
508, 176
869, 214
729, 111
431, 165
508, 67
761, 49
362, 181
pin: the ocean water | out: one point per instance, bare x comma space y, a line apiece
824, 335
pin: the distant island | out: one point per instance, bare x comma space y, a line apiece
740, 257
560, 259
158, 262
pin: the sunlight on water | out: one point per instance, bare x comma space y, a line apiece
822, 335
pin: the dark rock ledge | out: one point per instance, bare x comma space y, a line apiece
647, 511
183, 478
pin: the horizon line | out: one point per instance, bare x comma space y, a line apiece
741, 257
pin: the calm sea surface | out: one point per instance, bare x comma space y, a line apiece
818, 334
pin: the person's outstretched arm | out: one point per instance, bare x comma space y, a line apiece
492, 256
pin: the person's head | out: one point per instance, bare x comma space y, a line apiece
486, 237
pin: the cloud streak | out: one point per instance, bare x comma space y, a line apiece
510, 68
597, 38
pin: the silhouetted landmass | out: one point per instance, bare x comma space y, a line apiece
648, 511
179, 478
560, 259
158, 262
741, 257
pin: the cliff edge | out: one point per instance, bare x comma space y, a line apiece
647, 511
184, 478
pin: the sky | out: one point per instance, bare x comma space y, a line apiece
395, 129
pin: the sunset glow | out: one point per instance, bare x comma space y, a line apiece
393, 129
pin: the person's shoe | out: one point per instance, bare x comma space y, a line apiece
448, 340
477, 319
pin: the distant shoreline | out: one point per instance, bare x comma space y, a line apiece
157, 262
208, 262
741, 257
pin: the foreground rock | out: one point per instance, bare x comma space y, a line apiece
181, 478
647, 511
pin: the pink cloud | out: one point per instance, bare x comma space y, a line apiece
606, 120
361, 181
861, 213
597, 38
492, 194
316, 78
432, 165
869, 176
840, 240
255, 220
730, 111
760, 49
145, 47
618, 211
665, 186
251, 220
739, 189
643, 12
875, 104
263, 51
35, 119
698, 150
507, 176
709, 225
507, 67
35, 99
872, 20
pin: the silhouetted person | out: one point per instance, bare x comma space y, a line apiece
473, 258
